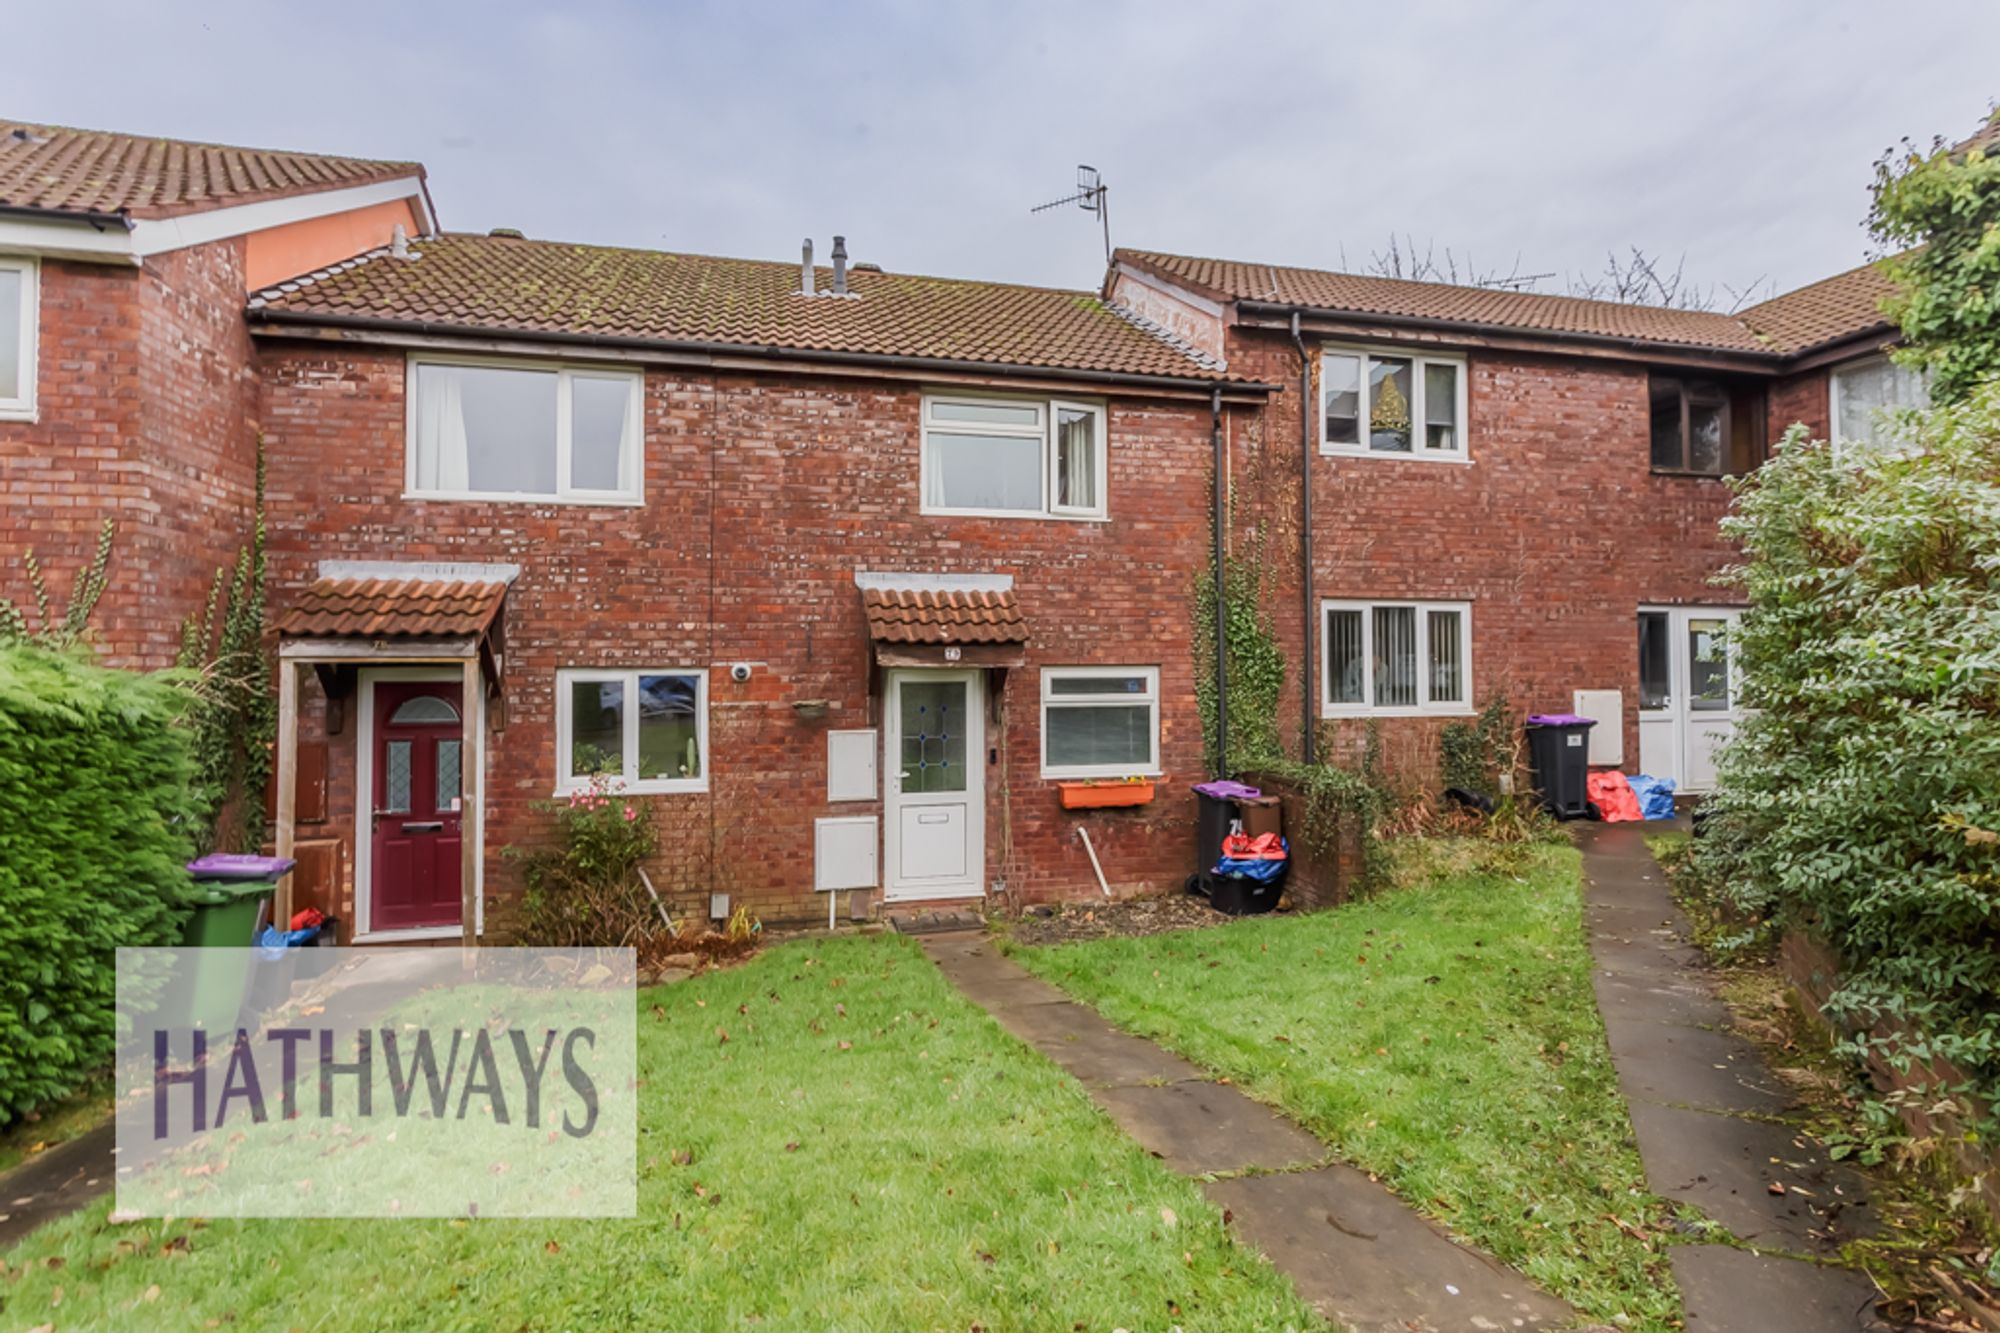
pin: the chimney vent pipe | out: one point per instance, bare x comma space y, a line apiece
806, 268
840, 266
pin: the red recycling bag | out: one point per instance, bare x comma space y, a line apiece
1614, 796
1263, 847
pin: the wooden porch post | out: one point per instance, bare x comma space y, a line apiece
471, 819
288, 780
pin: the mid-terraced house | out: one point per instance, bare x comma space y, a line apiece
848, 571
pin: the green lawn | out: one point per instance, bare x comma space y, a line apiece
865, 1151
76, 1115
1443, 1036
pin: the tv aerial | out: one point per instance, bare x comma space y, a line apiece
1092, 196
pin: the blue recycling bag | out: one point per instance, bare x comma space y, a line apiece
1656, 796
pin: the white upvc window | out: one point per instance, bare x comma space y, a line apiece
1013, 457
644, 731
1100, 722
20, 304
1390, 659
482, 429
1383, 401
1865, 395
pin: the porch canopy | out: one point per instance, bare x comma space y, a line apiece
358, 617
943, 620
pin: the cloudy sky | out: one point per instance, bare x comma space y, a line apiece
1738, 135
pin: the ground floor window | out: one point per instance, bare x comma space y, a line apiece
645, 730
1100, 722
1397, 657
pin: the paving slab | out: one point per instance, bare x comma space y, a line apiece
1727, 1290
1093, 1051
1726, 1165
1675, 1065
998, 992
56, 1182
1364, 1259
1644, 953
1624, 997
1201, 1128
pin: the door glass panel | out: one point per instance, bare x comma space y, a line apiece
1441, 407
421, 710
1389, 405
1708, 667
396, 778
933, 722
1345, 681
1340, 378
1395, 656
1447, 684
1655, 683
597, 727
447, 775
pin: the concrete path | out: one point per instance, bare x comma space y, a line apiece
1710, 1116
56, 1182
1352, 1249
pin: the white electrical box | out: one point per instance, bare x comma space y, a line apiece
851, 765
1607, 738
844, 853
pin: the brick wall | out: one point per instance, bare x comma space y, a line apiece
764, 496
1801, 398
145, 398
1556, 532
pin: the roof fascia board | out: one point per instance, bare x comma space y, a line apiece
51, 237
1869, 342
754, 360
152, 236
1403, 329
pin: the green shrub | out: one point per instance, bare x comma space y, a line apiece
585, 888
1859, 798
94, 829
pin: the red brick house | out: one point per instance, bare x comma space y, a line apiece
126, 382
846, 572
1510, 493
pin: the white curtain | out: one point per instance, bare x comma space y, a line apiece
441, 447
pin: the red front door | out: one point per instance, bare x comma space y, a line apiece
415, 872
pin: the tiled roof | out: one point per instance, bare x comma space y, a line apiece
549, 288
1824, 312
904, 615
1529, 312
1986, 138
393, 609
94, 171
1799, 321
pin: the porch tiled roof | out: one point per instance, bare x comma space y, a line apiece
96, 171
393, 609
565, 291
953, 616
1824, 312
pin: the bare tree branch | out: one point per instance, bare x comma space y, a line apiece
1636, 279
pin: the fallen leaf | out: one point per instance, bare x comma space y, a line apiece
1167, 1216
1776, 1187
552, 1248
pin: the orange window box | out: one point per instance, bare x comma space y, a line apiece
1104, 794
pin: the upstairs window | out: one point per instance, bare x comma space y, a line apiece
1015, 457
1391, 658
1866, 394
1383, 402
1701, 428
496, 431
17, 338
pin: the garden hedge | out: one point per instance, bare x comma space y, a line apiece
95, 774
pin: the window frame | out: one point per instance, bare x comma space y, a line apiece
568, 783
1418, 359
1050, 411
1724, 400
1461, 707
22, 406
1839, 441
566, 373
1066, 772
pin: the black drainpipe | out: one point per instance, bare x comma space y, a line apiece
1221, 608
1311, 680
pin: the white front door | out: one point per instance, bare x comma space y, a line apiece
934, 762
1687, 693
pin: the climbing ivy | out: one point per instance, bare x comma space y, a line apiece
234, 718
1473, 755
84, 595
